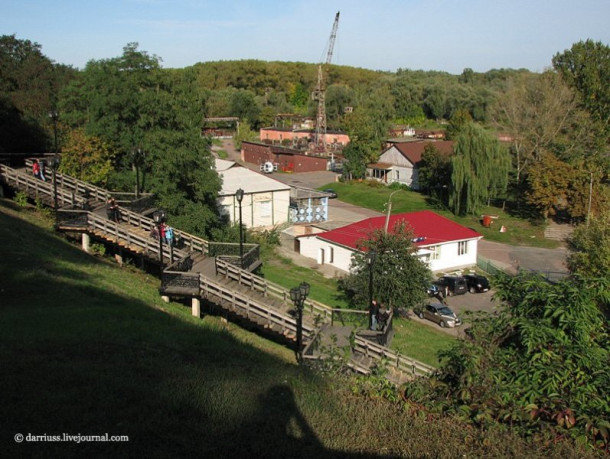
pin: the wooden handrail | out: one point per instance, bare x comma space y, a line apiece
252, 307
403, 364
267, 287
35, 187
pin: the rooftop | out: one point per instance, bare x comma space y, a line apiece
429, 229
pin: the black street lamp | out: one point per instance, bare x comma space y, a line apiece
298, 295
159, 218
370, 260
239, 195
138, 159
54, 166
54, 115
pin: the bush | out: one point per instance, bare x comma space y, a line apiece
21, 199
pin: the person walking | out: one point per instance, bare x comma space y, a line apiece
169, 235
373, 312
36, 169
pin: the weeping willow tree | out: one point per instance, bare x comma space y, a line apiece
480, 167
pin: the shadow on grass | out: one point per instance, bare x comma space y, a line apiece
80, 359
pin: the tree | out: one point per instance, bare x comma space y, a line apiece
548, 181
460, 118
29, 87
541, 115
539, 364
399, 274
480, 167
86, 158
589, 247
434, 173
586, 68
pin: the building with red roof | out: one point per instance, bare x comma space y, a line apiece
442, 243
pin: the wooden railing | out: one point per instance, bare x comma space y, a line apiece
266, 287
68, 193
36, 188
394, 360
251, 308
79, 187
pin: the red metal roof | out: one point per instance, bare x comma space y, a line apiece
425, 224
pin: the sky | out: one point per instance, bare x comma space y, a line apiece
443, 35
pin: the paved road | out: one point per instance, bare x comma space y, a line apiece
510, 258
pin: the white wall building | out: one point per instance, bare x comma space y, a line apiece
400, 162
265, 202
442, 243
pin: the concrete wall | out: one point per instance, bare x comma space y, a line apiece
258, 210
334, 255
449, 259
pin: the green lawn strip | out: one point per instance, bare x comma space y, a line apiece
518, 231
283, 272
419, 341
411, 339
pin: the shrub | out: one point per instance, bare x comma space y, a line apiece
21, 199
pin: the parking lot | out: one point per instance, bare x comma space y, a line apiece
460, 304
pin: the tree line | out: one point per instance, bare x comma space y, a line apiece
554, 162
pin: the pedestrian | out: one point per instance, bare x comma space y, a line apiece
110, 208
169, 235
382, 316
36, 169
162, 229
42, 170
373, 312
116, 215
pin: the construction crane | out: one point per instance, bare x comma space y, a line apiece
320, 92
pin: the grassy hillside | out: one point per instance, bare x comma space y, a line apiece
89, 348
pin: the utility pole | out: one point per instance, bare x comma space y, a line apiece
387, 217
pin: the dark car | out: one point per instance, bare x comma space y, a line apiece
439, 313
331, 193
476, 283
452, 285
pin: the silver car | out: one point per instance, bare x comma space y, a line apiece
439, 313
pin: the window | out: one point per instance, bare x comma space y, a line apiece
265, 207
436, 252
462, 247
331, 254
397, 175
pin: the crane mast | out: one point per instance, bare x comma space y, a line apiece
320, 91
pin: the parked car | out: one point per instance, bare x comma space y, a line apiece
476, 283
433, 290
440, 314
331, 193
452, 285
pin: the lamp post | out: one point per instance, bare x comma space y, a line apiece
138, 157
159, 218
54, 166
387, 217
298, 295
370, 260
54, 115
239, 195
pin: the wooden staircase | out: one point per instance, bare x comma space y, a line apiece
195, 274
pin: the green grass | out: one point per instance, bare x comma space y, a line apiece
222, 154
284, 272
411, 339
519, 231
89, 348
414, 339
